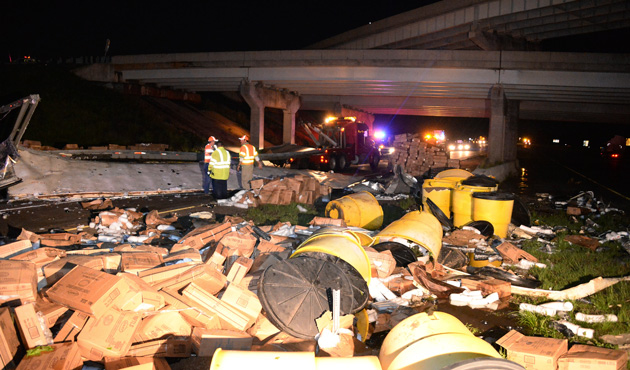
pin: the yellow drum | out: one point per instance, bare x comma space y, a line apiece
421, 228
461, 203
359, 209
433, 341
346, 245
495, 208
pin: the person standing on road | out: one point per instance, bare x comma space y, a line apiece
203, 164
247, 156
219, 171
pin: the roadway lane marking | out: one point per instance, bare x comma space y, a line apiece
595, 182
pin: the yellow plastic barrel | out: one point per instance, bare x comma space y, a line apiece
358, 209
495, 208
237, 360
433, 341
453, 172
461, 203
346, 245
421, 228
440, 196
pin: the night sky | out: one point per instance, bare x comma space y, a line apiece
48, 30
78, 28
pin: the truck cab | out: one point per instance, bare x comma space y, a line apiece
346, 142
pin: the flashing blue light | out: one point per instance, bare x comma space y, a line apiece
379, 134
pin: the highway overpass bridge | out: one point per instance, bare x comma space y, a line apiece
380, 69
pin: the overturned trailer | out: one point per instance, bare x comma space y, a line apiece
11, 136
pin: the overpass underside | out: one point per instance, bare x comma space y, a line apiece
501, 86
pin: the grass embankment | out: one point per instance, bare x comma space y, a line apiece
75, 111
570, 265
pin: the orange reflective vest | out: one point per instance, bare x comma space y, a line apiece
247, 154
208, 152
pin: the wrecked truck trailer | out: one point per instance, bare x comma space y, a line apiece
11, 135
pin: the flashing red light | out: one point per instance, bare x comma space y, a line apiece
615, 155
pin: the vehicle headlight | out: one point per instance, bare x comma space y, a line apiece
466, 146
451, 147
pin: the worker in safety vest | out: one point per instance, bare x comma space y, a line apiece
219, 171
247, 156
203, 164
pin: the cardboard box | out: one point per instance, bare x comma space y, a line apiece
64, 356
212, 305
111, 262
326, 221
9, 342
71, 328
171, 347
18, 281
141, 248
140, 296
488, 286
61, 267
383, 262
15, 248
185, 277
89, 291
512, 254
136, 363
237, 244
158, 274
109, 335
191, 312
212, 281
582, 357
53, 313
286, 197
189, 253
139, 261
533, 353
205, 342
242, 300
161, 325
40, 256
269, 196
59, 239
33, 331
263, 329
202, 236
239, 269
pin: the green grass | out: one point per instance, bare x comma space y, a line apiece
269, 214
571, 265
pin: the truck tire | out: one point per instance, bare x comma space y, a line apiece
332, 163
342, 163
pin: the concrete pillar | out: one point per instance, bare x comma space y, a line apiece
288, 120
258, 97
257, 115
503, 134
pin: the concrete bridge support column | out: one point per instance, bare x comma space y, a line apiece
503, 132
258, 97
257, 114
288, 121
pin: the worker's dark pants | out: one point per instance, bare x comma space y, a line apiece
219, 189
205, 178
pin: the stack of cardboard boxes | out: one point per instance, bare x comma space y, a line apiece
133, 305
418, 157
286, 190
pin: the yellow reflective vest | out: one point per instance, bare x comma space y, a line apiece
247, 154
219, 166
